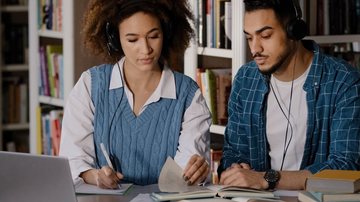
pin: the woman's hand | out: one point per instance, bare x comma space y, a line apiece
196, 170
105, 177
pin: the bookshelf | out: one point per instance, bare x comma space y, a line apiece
14, 124
237, 55
74, 59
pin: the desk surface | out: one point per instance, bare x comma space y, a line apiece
136, 190
130, 194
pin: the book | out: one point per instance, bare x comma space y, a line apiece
23, 103
228, 21
306, 196
211, 85
207, 200
44, 88
239, 199
335, 181
223, 88
50, 50
172, 186
55, 130
39, 139
215, 157
222, 191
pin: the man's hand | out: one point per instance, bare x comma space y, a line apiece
196, 170
242, 175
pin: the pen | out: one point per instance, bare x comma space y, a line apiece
107, 158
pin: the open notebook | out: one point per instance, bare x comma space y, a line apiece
173, 187
41, 178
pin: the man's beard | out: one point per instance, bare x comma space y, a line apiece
281, 60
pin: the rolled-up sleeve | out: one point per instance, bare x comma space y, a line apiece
77, 142
194, 135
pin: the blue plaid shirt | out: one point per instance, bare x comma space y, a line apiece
333, 124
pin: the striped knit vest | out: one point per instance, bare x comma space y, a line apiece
138, 145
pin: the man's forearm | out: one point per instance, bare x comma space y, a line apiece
293, 180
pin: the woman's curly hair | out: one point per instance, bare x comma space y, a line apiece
174, 16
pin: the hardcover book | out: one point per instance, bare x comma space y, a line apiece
214, 191
172, 186
306, 196
334, 181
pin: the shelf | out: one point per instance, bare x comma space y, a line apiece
217, 129
16, 126
51, 101
216, 52
15, 68
15, 8
335, 38
50, 34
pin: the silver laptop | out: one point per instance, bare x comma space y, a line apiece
35, 178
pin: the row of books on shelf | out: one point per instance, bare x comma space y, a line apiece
50, 15
332, 17
15, 42
213, 23
16, 141
347, 51
51, 71
15, 107
215, 85
331, 186
49, 122
14, 2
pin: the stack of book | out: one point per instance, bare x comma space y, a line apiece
332, 185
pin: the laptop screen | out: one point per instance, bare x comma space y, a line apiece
35, 178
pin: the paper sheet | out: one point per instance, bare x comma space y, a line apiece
171, 178
82, 188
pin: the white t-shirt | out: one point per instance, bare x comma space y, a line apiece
277, 123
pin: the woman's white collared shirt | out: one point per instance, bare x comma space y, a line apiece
77, 132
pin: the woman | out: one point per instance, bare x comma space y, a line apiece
139, 109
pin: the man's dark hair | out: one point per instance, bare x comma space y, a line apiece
283, 9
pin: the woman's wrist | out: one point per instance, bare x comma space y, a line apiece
90, 176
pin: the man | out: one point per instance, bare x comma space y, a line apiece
293, 111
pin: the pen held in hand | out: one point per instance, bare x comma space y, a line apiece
107, 158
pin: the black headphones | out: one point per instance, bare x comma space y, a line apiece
112, 36
296, 28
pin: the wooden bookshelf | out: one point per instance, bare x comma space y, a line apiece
13, 73
75, 59
237, 54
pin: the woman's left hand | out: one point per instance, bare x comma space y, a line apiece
197, 169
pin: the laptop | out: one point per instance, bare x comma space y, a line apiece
35, 178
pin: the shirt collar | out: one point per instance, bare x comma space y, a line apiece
165, 89
316, 68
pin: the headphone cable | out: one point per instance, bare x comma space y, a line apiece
286, 143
